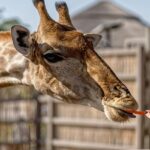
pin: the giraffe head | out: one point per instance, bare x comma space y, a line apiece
63, 64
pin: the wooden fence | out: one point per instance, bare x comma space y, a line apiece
18, 125
73, 127
52, 125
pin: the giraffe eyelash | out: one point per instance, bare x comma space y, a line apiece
53, 57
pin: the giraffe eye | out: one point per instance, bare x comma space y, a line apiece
53, 57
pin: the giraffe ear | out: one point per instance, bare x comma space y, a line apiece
94, 38
20, 36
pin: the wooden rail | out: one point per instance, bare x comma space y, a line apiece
88, 146
89, 123
51, 120
118, 52
126, 77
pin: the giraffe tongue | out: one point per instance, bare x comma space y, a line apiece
131, 115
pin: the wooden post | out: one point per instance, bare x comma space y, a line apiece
48, 119
38, 126
140, 96
147, 36
50, 103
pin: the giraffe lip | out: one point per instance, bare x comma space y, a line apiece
131, 115
122, 111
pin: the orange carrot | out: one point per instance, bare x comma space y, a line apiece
146, 112
136, 112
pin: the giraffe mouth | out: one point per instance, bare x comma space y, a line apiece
130, 115
123, 111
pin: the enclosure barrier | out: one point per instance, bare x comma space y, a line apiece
46, 124
79, 127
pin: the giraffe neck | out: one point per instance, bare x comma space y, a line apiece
13, 66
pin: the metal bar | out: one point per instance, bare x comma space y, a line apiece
140, 96
89, 146
91, 123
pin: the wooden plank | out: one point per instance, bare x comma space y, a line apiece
147, 39
45, 99
140, 96
17, 143
126, 77
38, 126
89, 146
91, 123
49, 126
117, 52
17, 121
17, 100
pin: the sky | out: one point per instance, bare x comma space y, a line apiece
25, 11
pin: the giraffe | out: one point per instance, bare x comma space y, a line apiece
60, 61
